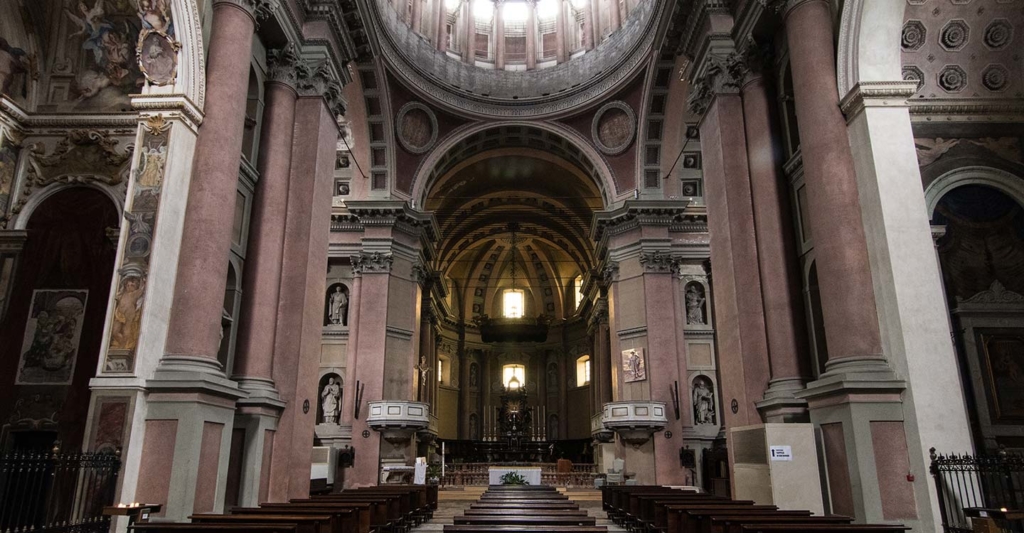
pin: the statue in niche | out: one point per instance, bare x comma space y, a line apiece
337, 306
695, 304
474, 428
474, 375
553, 427
553, 376
703, 401
330, 400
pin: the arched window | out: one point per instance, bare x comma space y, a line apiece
583, 371
513, 303
513, 376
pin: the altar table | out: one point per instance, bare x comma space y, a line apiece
530, 473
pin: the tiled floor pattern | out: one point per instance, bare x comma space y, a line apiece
451, 503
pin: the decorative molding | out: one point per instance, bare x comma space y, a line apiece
631, 122
320, 81
284, 65
631, 332
405, 110
996, 294
610, 272
658, 262
398, 333
636, 213
877, 94
372, 263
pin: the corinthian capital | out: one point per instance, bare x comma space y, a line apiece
259, 10
284, 64
320, 81
722, 75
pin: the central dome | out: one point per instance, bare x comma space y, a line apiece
516, 58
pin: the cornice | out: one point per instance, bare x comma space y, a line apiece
27, 120
968, 110
876, 94
635, 213
390, 213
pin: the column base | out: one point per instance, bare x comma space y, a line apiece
187, 441
186, 372
856, 407
261, 393
259, 423
780, 404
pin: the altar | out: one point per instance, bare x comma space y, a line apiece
530, 473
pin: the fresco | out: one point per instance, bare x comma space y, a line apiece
50, 345
141, 217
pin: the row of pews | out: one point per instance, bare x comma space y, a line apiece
524, 508
657, 509
384, 509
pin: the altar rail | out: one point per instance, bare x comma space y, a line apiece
56, 491
476, 474
984, 480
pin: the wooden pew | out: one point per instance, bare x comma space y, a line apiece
524, 511
734, 523
380, 519
678, 520
354, 518
317, 523
523, 529
167, 527
526, 520
568, 506
823, 528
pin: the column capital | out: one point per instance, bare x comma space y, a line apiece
721, 74
320, 81
259, 10
658, 262
284, 65
372, 263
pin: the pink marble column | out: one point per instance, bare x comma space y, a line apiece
194, 327
776, 250
844, 271
303, 286
262, 279
737, 295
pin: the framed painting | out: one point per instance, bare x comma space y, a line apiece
1002, 358
634, 365
50, 346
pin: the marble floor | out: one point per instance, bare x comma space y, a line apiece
451, 503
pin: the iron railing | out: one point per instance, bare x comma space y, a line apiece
55, 492
991, 481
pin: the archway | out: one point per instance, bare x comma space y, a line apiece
514, 207
50, 340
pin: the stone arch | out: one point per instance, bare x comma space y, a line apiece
1002, 181
40, 196
422, 181
188, 30
869, 43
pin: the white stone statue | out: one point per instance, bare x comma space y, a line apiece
338, 313
330, 399
694, 305
703, 403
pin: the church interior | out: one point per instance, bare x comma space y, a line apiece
762, 253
